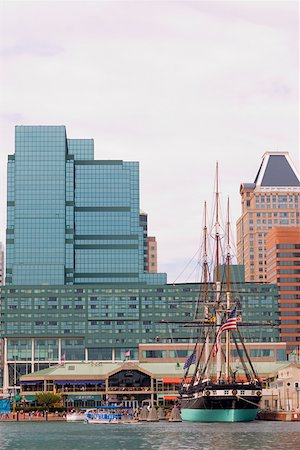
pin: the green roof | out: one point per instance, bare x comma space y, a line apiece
90, 370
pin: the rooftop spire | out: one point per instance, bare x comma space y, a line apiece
278, 170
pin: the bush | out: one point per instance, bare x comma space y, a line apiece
48, 399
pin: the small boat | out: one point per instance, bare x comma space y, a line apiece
112, 414
104, 419
79, 415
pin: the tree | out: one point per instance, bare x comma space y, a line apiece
48, 398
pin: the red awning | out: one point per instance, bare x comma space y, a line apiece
170, 397
172, 380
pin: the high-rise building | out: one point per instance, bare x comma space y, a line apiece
272, 200
101, 322
144, 225
1, 264
78, 282
152, 254
283, 269
150, 246
72, 219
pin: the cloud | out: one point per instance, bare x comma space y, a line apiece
174, 85
38, 49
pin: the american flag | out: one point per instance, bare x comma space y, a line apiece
190, 360
230, 324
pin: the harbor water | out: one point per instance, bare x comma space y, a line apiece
258, 435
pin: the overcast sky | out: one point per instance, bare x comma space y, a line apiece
176, 85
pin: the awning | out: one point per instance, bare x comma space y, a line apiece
63, 382
31, 383
172, 380
29, 398
170, 397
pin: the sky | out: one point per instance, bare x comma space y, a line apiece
175, 85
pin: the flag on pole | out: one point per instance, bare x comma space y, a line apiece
127, 353
190, 360
230, 324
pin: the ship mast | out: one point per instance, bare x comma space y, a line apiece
205, 285
217, 271
227, 371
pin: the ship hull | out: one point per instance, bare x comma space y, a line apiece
218, 415
219, 406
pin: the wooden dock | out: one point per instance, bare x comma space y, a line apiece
283, 416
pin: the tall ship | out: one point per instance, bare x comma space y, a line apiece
214, 388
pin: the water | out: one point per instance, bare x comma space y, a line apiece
258, 435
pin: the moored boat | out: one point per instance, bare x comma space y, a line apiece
78, 415
213, 392
112, 414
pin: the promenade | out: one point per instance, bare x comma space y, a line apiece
26, 417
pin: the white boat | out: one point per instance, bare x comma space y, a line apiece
111, 415
79, 416
112, 421
98, 420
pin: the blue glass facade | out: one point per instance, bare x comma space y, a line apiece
102, 322
113, 319
72, 219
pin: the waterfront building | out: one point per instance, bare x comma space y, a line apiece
2, 275
286, 383
2, 270
267, 352
43, 325
272, 200
132, 383
283, 268
72, 219
78, 282
152, 254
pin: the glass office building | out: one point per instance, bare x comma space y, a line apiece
77, 280
102, 322
72, 219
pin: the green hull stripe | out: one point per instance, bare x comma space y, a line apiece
218, 415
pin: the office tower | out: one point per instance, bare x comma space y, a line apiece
102, 322
152, 254
144, 225
150, 246
283, 269
272, 200
71, 219
1, 264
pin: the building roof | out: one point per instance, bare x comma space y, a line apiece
90, 370
277, 170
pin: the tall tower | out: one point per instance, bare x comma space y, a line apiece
283, 269
71, 219
272, 200
152, 254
